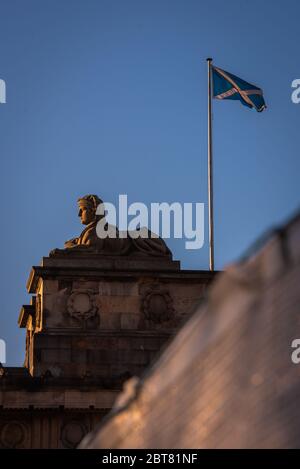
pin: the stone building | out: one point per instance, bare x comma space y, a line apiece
100, 312
230, 377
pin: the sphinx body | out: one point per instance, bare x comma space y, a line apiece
149, 245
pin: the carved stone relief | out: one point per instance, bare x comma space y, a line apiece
82, 305
72, 433
12, 435
157, 305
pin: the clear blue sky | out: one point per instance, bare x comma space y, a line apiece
109, 97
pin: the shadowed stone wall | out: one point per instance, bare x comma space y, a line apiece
227, 379
93, 322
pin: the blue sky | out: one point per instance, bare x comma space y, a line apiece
109, 97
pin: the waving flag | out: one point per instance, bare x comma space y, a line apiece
228, 86
224, 85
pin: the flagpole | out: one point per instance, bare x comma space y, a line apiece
210, 172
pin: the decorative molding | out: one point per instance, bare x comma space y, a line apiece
12, 435
157, 305
38, 311
72, 433
82, 304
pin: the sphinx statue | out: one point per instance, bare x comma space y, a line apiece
89, 241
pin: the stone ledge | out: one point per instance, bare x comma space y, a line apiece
54, 399
99, 273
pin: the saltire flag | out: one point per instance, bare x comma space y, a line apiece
228, 86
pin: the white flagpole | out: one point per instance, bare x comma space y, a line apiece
210, 172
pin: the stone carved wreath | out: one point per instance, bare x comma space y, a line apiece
12, 434
72, 433
157, 305
82, 304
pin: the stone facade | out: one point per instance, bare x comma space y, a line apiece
93, 322
227, 380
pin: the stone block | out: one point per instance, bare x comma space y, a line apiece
116, 288
110, 321
130, 321
56, 355
78, 355
133, 357
50, 286
152, 343
115, 304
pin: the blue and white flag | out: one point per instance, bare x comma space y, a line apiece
228, 86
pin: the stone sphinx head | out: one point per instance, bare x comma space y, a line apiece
87, 208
